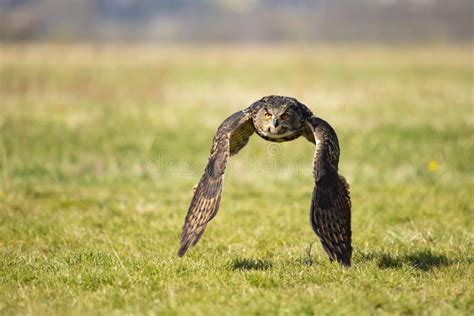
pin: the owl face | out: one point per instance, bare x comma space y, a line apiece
278, 119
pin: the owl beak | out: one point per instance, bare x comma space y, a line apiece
275, 123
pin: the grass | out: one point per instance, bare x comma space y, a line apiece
100, 148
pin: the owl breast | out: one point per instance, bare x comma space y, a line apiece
280, 137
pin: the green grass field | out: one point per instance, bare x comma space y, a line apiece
100, 149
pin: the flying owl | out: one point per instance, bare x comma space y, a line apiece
278, 119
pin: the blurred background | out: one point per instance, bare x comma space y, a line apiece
237, 21
379, 70
107, 113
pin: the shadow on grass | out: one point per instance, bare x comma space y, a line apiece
250, 264
424, 260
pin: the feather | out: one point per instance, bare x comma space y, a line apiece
330, 203
231, 136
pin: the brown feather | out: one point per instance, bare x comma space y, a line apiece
230, 137
330, 203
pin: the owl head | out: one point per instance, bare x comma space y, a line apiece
278, 118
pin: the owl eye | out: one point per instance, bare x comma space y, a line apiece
268, 116
284, 116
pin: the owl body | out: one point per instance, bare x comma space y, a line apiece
279, 119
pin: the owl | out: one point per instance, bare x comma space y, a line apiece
278, 119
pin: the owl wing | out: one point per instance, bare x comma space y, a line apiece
231, 136
330, 204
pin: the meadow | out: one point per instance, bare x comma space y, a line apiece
100, 147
